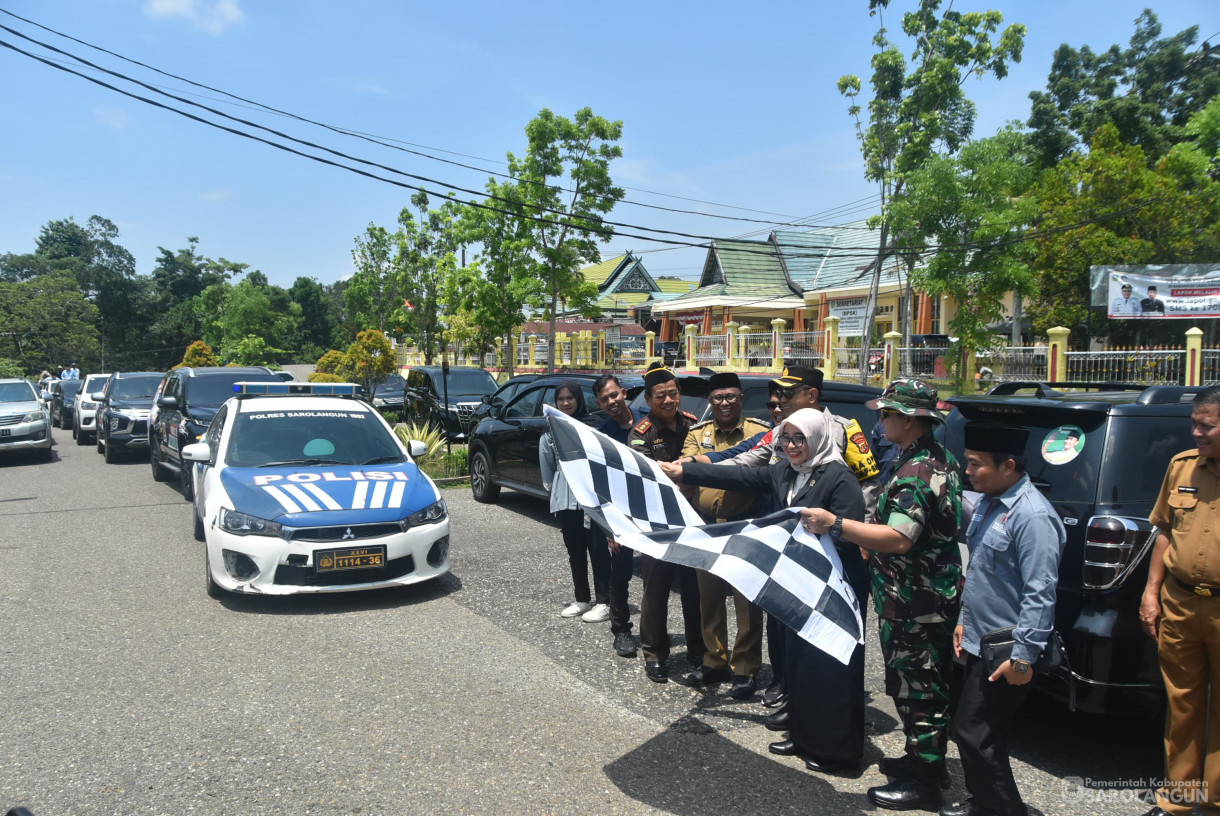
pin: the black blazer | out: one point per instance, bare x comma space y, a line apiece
832, 486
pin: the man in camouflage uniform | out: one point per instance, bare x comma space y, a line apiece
726, 428
660, 436
916, 575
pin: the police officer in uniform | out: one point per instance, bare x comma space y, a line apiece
1181, 609
916, 572
660, 436
1015, 539
726, 428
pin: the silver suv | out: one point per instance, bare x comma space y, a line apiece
84, 409
25, 423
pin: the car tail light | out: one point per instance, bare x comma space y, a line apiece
1112, 547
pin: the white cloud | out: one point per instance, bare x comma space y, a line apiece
111, 116
213, 16
215, 195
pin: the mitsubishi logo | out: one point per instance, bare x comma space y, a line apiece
349, 535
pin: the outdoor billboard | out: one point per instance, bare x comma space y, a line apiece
1156, 291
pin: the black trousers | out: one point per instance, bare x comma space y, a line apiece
659, 578
984, 714
586, 545
776, 637
620, 577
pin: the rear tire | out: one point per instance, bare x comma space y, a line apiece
481, 485
186, 480
97, 438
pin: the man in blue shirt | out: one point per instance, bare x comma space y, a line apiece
621, 418
1015, 539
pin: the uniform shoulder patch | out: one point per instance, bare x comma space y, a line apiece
701, 424
1184, 455
690, 416
754, 426
642, 426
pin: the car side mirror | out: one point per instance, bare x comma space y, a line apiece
198, 452
485, 399
97, 396
417, 449
167, 403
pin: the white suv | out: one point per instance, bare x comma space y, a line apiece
84, 409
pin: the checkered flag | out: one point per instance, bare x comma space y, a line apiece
772, 561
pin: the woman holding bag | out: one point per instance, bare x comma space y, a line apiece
825, 697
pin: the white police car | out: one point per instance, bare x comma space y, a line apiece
300, 487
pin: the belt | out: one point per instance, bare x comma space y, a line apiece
1199, 589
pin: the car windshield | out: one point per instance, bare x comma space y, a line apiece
130, 388
17, 392
468, 382
271, 438
95, 384
212, 391
392, 385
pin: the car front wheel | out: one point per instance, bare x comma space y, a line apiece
215, 590
481, 485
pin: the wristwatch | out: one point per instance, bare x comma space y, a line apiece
836, 529
1021, 666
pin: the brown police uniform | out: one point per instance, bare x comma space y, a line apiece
714, 505
1188, 511
658, 442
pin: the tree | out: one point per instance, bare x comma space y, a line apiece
563, 180
198, 354
426, 257
1110, 207
250, 350
330, 362
1147, 91
368, 361
318, 322
973, 206
374, 292
915, 114
46, 321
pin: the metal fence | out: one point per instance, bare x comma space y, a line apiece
804, 348
712, 350
925, 363
1013, 363
847, 363
755, 348
1210, 365
1150, 367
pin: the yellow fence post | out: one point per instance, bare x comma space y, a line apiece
650, 341
830, 366
692, 331
1056, 358
890, 366
777, 343
1194, 356
730, 343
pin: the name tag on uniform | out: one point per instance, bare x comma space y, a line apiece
1188, 490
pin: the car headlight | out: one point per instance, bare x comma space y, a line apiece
33, 416
429, 515
242, 524
88, 406
378, 401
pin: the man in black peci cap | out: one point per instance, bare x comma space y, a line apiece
1015, 539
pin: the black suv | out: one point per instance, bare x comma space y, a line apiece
426, 391
502, 395
504, 446
1100, 456
186, 402
62, 394
122, 412
390, 395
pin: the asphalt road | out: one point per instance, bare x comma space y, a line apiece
126, 690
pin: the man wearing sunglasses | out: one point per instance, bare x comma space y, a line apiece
726, 428
660, 436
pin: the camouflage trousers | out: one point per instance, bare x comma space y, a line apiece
918, 660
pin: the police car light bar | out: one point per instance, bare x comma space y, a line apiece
284, 389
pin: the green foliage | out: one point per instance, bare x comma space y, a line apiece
374, 293
1147, 92
325, 377
198, 354
329, 362
368, 361
564, 179
974, 206
427, 256
1110, 206
250, 350
46, 322
10, 368
430, 435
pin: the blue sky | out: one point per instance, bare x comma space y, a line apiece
733, 104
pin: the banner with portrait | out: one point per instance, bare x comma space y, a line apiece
1156, 291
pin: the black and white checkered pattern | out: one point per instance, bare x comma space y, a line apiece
771, 560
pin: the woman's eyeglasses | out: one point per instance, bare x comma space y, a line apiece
793, 439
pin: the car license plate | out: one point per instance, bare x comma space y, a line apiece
350, 558
5, 432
